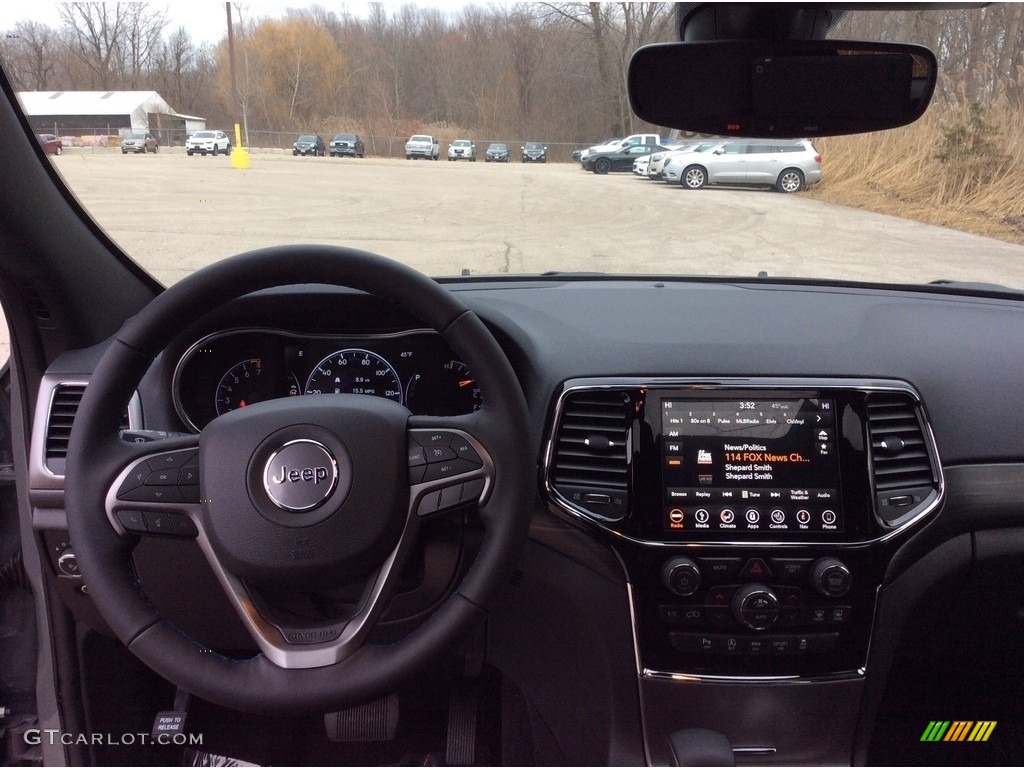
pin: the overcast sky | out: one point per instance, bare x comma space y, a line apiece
206, 20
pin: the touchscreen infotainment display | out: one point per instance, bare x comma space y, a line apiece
750, 466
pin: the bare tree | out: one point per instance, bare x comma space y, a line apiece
115, 41
30, 53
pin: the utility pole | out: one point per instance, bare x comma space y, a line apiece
239, 155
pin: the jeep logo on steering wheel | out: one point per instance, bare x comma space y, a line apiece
300, 475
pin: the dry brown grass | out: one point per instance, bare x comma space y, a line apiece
898, 172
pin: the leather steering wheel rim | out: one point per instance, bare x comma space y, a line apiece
96, 455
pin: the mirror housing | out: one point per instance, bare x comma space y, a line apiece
781, 89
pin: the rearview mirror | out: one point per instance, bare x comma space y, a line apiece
784, 89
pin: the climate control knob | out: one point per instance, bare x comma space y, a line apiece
681, 575
755, 606
831, 577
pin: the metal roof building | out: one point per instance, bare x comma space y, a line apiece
110, 112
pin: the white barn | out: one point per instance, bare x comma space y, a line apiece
105, 112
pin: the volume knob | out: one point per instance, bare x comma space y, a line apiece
681, 575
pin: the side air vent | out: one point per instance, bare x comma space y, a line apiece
901, 466
591, 459
63, 407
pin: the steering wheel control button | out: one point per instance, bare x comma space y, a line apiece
300, 475
429, 504
157, 494
472, 490
137, 477
430, 439
159, 523
132, 520
171, 460
464, 450
451, 468
417, 455
163, 477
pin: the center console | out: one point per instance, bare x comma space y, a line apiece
754, 517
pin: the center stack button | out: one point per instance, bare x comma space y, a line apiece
681, 576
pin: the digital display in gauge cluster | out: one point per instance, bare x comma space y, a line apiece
750, 466
231, 370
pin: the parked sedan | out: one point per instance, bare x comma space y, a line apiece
202, 142
534, 152
51, 144
618, 160
788, 166
309, 144
139, 142
497, 153
347, 144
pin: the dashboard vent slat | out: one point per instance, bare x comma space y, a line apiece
590, 465
901, 464
63, 408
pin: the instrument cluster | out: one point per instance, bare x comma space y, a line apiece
232, 369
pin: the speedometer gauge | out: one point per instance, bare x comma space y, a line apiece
356, 372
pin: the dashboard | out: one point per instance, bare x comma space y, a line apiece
737, 507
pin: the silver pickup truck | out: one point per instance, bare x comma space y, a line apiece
422, 146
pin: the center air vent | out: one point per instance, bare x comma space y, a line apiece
901, 465
591, 458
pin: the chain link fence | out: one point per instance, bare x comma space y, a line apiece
377, 145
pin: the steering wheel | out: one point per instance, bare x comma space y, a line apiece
308, 494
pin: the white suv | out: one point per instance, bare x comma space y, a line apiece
786, 165
462, 149
213, 142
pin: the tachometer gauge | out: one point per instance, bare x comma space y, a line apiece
450, 391
356, 372
245, 384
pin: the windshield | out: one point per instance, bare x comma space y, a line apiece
941, 199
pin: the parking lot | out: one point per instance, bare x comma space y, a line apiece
175, 213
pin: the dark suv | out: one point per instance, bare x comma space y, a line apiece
534, 152
309, 144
